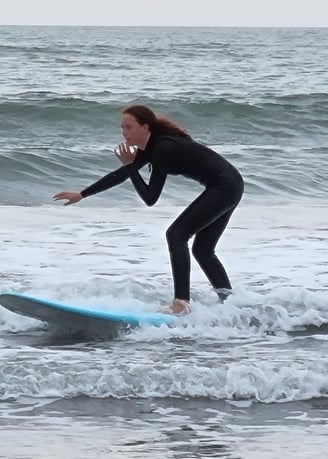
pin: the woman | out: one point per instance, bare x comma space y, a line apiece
170, 150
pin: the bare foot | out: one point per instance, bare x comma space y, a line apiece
177, 308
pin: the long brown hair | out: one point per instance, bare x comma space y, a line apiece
157, 124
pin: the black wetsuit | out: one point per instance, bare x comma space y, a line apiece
205, 218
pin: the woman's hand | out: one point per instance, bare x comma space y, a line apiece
125, 153
71, 196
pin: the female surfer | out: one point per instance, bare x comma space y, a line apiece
169, 150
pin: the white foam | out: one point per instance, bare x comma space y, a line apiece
117, 259
60, 374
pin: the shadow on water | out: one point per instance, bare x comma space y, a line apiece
51, 337
310, 330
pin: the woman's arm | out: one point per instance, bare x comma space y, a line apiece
150, 192
108, 181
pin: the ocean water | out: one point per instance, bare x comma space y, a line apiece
246, 379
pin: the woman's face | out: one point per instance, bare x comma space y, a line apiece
133, 132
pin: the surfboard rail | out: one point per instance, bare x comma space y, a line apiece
80, 318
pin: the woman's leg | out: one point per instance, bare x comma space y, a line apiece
204, 251
207, 210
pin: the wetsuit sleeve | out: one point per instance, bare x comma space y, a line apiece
115, 177
150, 192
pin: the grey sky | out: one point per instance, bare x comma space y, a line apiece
305, 13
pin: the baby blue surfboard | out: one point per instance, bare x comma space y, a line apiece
80, 320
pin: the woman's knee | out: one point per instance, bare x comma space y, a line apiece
175, 235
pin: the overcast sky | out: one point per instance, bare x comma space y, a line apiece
294, 13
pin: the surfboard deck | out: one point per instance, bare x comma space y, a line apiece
72, 319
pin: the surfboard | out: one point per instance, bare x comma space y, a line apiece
78, 320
